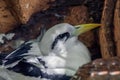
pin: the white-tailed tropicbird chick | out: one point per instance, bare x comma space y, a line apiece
61, 55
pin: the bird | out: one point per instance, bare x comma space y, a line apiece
56, 57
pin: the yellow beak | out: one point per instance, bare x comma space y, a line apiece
85, 27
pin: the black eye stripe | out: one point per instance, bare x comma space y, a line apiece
60, 37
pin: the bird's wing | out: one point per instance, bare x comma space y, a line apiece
40, 67
26, 63
26, 49
30, 67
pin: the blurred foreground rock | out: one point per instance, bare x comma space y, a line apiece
99, 69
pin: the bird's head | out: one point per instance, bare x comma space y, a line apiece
62, 32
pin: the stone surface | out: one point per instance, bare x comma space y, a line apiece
25, 8
77, 15
117, 27
7, 20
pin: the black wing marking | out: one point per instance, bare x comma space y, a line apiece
31, 70
26, 69
56, 77
2, 56
42, 62
18, 54
23, 49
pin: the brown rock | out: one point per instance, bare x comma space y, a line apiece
77, 15
87, 38
7, 21
25, 8
117, 27
107, 44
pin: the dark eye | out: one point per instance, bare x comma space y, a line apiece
65, 36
